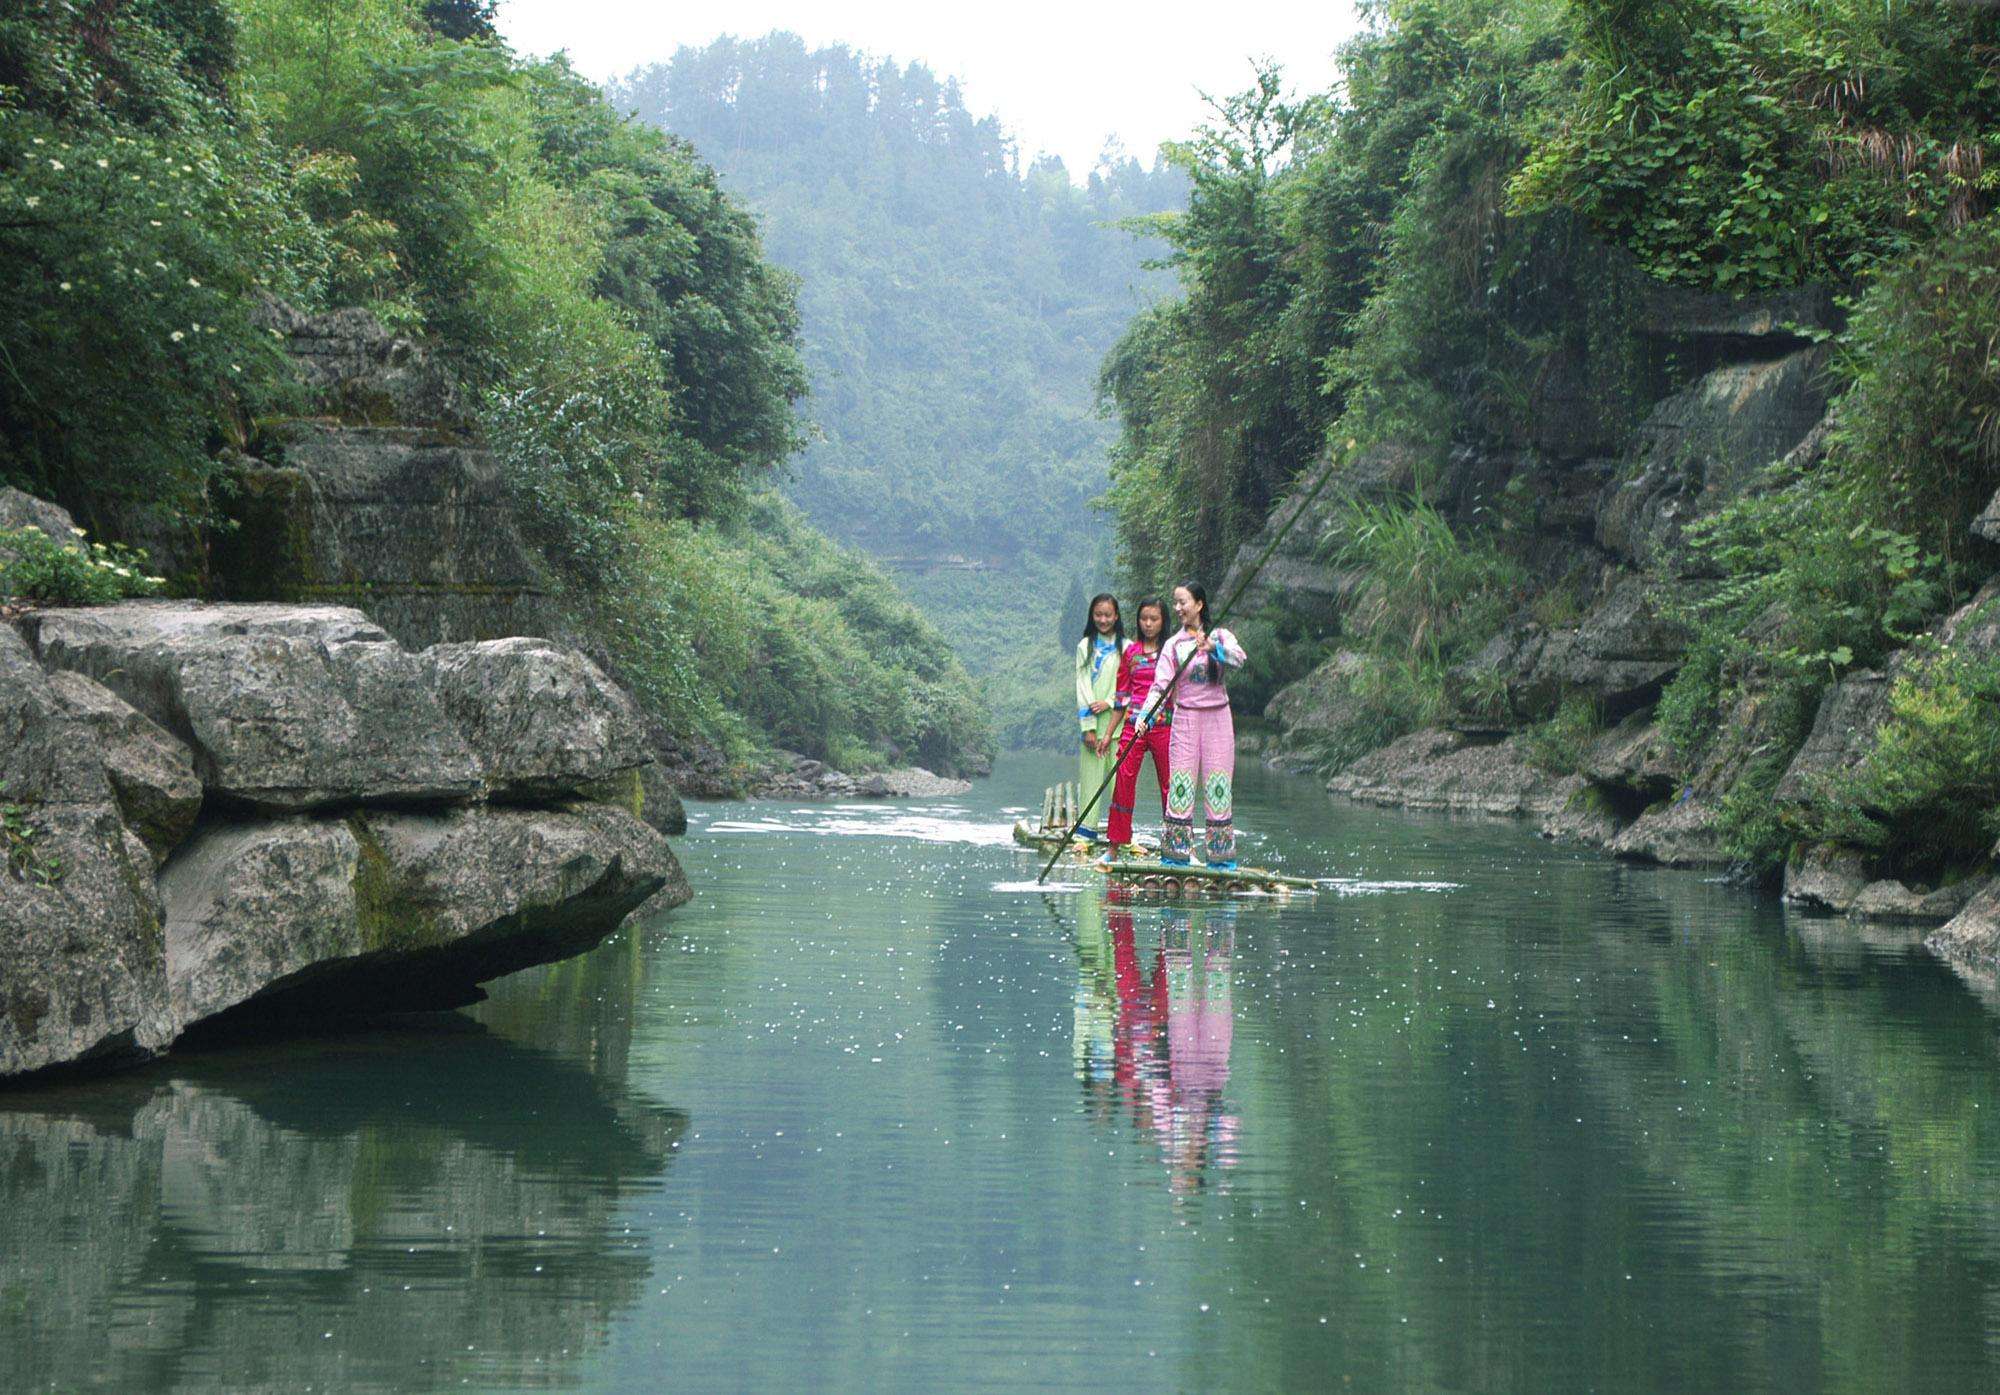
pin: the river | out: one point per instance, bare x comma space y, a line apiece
870, 1113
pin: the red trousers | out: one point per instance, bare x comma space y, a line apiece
1125, 790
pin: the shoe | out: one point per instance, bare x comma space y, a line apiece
1229, 866
1166, 861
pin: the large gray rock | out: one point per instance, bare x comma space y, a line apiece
249, 906
1319, 713
1620, 657
82, 972
151, 774
389, 910
543, 721
1704, 446
1843, 733
285, 708
1889, 899
1826, 877
1971, 938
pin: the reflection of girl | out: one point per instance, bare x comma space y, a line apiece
1135, 681
1201, 755
1200, 1029
1096, 693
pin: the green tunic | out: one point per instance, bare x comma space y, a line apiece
1096, 681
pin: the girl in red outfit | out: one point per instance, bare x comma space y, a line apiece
1135, 680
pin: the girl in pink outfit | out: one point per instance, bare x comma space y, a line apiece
1202, 753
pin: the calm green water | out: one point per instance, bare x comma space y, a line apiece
1491, 1115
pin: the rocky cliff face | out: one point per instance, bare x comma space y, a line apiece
224, 810
1611, 511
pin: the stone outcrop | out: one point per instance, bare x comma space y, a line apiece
384, 497
1619, 657
82, 951
1318, 713
1701, 448
542, 720
338, 825
1826, 877
387, 910
285, 708
1451, 771
1971, 938
152, 774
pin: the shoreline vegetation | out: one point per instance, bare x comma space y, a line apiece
1656, 346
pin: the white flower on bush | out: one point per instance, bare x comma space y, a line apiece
178, 335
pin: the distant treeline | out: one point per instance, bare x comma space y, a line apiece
954, 304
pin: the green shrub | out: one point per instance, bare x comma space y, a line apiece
1428, 589
1692, 701
1926, 792
1918, 445
145, 214
1558, 745
34, 565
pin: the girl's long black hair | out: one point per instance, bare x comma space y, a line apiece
1090, 624
1139, 617
1199, 594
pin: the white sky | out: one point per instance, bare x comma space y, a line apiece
1061, 77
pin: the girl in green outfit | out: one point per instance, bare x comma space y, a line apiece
1096, 693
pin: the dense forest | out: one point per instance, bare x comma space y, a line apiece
1469, 220
954, 307
166, 166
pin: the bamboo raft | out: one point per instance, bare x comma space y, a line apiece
1060, 806
1143, 873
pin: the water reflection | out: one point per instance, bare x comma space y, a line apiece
428, 1204
1155, 1017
